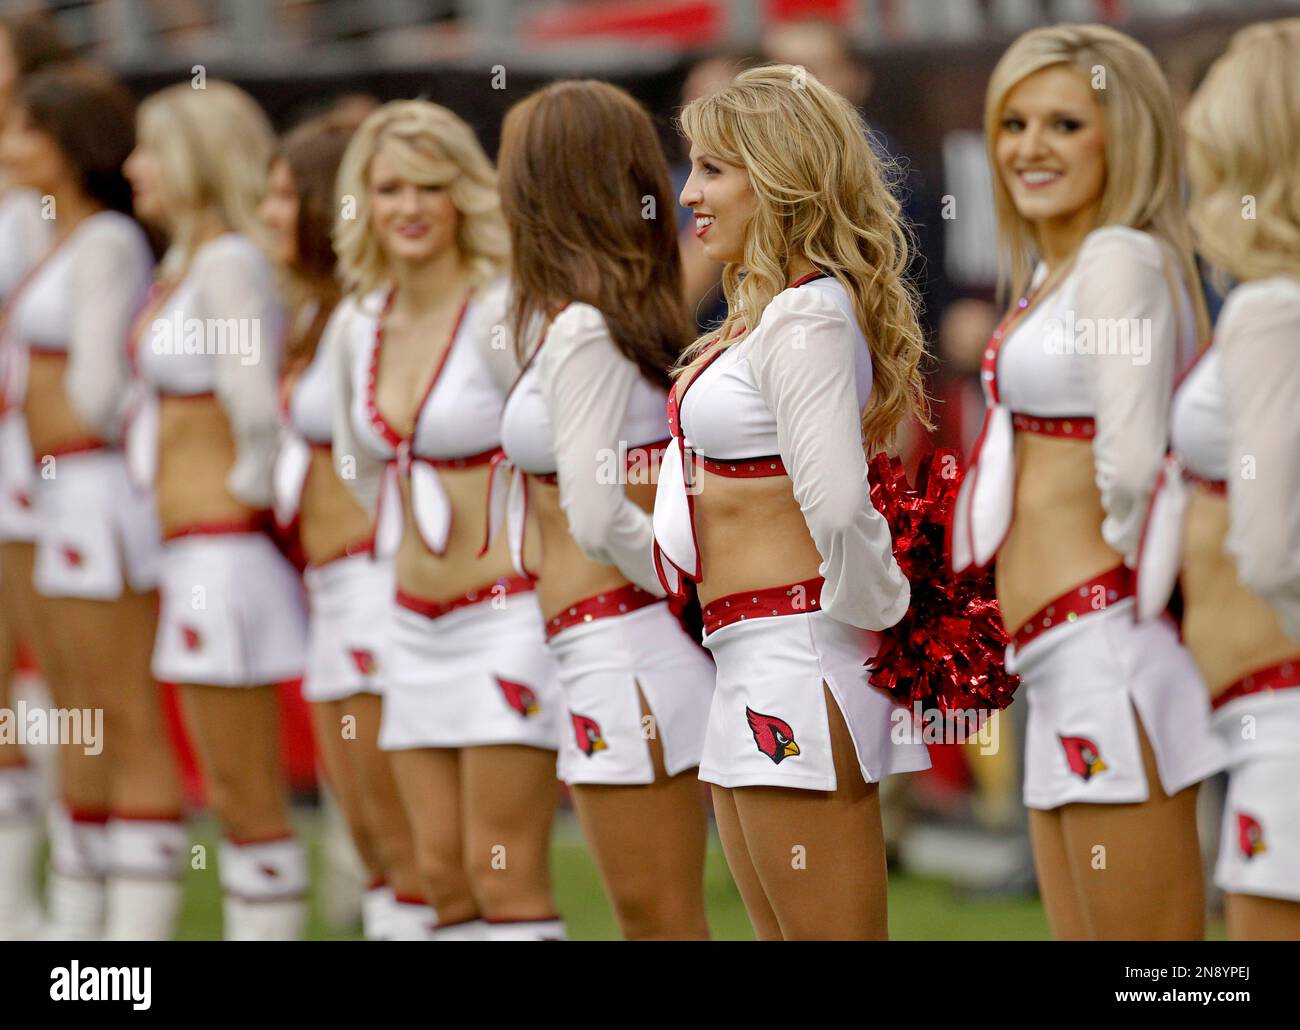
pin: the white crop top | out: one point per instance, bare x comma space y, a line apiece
795, 387
578, 406
24, 237
1198, 423
80, 300
458, 421
219, 332
1099, 353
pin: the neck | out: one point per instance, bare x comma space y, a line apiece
423, 285
797, 269
1059, 238
71, 207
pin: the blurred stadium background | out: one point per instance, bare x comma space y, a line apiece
917, 68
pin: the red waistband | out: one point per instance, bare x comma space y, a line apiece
1282, 676
744, 468
436, 609
1082, 427
603, 606
469, 461
170, 395
260, 522
90, 443
634, 454
793, 599
1215, 486
1117, 584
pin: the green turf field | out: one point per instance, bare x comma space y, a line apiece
920, 909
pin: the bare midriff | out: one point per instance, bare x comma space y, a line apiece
196, 451
751, 535
459, 570
52, 423
331, 522
1054, 542
564, 574
1229, 631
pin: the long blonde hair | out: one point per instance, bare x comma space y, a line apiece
1243, 144
1143, 165
821, 196
213, 147
431, 146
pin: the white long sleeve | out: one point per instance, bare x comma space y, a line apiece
110, 276
235, 296
804, 365
586, 383
1258, 338
1124, 299
361, 472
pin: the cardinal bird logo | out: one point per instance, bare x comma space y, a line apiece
1083, 756
773, 736
72, 556
587, 732
1250, 835
191, 637
521, 698
364, 661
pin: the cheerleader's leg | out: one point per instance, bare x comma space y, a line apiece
1255, 918
429, 782
509, 794
1137, 867
820, 855
760, 913
649, 843
335, 748
1056, 886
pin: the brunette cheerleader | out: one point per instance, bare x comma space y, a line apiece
27, 43
598, 311
349, 589
207, 350
97, 546
471, 708
763, 496
1081, 135
1230, 489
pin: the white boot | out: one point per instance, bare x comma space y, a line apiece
146, 858
376, 906
20, 841
74, 908
470, 930
265, 890
411, 919
527, 930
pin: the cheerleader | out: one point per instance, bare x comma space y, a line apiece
349, 590
471, 708
763, 496
1231, 486
598, 311
27, 43
207, 349
97, 546
1082, 139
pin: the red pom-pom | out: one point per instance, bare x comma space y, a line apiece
948, 650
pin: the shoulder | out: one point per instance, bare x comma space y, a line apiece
821, 308
115, 232
230, 252
1259, 310
1122, 245
577, 327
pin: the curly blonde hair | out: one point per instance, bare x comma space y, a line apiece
821, 196
1243, 134
429, 145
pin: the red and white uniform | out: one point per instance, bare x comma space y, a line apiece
349, 596
788, 400
232, 609
98, 533
1095, 361
24, 238
582, 415
472, 671
1235, 428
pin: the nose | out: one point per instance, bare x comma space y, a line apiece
690, 195
411, 199
1033, 142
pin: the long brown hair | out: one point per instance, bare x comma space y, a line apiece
312, 152
585, 190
